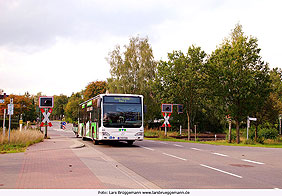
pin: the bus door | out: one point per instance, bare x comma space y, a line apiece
80, 129
94, 130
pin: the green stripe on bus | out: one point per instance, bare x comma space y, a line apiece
89, 103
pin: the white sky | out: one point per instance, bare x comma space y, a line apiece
59, 46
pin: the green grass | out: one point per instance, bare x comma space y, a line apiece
161, 134
267, 144
270, 144
19, 140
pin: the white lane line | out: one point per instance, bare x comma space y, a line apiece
175, 156
178, 145
150, 141
219, 170
276, 189
196, 149
252, 161
147, 148
162, 142
223, 155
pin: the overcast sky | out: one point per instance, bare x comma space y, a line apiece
59, 46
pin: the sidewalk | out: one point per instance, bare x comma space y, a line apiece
47, 165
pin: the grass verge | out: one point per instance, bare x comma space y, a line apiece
269, 144
160, 136
19, 140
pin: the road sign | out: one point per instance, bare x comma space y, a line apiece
10, 109
253, 119
166, 118
46, 102
167, 108
249, 124
179, 108
46, 119
64, 125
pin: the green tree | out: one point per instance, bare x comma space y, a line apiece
95, 88
180, 80
60, 103
272, 107
72, 107
23, 105
238, 77
133, 70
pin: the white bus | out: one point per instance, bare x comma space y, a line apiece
115, 117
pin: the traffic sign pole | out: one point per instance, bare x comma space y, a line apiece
10, 112
9, 128
248, 124
4, 119
165, 125
45, 125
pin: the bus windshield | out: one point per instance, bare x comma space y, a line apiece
122, 112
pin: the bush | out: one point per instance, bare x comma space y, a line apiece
264, 133
269, 133
249, 141
233, 135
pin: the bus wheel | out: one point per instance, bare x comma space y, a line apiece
130, 142
96, 142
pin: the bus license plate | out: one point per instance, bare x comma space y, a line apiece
123, 138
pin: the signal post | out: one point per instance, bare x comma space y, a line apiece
45, 103
167, 111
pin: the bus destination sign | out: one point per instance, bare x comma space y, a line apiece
113, 99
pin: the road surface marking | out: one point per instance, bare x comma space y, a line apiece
276, 188
196, 149
252, 161
147, 148
162, 142
178, 145
175, 156
221, 171
223, 155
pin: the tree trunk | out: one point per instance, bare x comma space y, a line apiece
230, 127
188, 118
237, 131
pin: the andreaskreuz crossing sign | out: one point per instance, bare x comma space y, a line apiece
166, 118
46, 117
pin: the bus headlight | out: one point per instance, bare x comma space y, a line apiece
139, 134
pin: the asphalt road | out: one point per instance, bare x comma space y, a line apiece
174, 165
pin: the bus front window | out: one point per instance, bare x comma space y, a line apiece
122, 115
